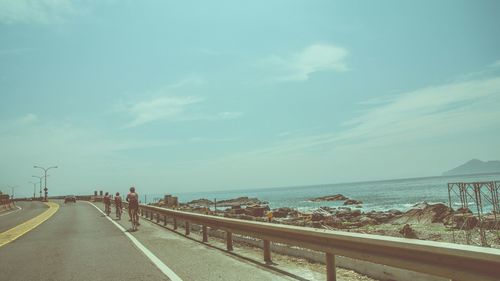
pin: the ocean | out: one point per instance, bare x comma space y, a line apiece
400, 194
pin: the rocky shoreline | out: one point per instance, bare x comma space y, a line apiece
422, 221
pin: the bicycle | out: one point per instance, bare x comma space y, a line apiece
119, 212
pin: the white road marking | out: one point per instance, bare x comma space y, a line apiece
155, 260
18, 208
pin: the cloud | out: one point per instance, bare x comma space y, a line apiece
167, 105
35, 11
27, 119
229, 115
211, 140
429, 112
314, 58
459, 109
167, 108
495, 64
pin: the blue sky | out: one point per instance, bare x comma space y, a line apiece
214, 95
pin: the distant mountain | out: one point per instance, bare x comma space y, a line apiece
475, 166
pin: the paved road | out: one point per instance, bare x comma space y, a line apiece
192, 260
28, 210
79, 243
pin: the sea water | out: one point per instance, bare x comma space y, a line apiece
399, 194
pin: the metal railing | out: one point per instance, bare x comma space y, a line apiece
453, 261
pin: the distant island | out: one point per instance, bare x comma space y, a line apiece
475, 166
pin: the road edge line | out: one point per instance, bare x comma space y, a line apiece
154, 259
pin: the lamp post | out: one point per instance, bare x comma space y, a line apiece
34, 189
12, 191
45, 171
40, 178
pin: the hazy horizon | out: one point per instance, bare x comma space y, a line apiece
187, 97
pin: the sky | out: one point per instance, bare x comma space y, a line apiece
181, 96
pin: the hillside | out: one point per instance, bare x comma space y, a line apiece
475, 166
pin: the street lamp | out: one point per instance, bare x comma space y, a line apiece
45, 171
34, 189
12, 191
40, 178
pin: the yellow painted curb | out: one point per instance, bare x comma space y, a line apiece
18, 231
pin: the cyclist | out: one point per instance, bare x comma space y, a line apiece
107, 203
118, 205
133, 207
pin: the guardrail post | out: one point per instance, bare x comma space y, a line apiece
157, 218
330, 267
175, 223
205, 233
267, 251
164, 220
186, 227
229, 240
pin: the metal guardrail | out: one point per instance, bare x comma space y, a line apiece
453, 261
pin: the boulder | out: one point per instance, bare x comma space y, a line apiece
200, 202
281, 212
465, 221
256, 211
336, 197
352, 202
236, 210
408, 232
317, 216
246, 201
380, 217
425, 213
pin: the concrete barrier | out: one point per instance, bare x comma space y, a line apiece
6, 205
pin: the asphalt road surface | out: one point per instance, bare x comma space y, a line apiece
79, 243
15, 217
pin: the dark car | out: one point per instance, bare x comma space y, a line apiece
70, 198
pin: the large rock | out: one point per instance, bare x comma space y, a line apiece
201, 202
425, 213
317, 216
352, 202
282, 212
236, 210
465, 221
256, 211
246, 201
382, 217
336, 197
408, 232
